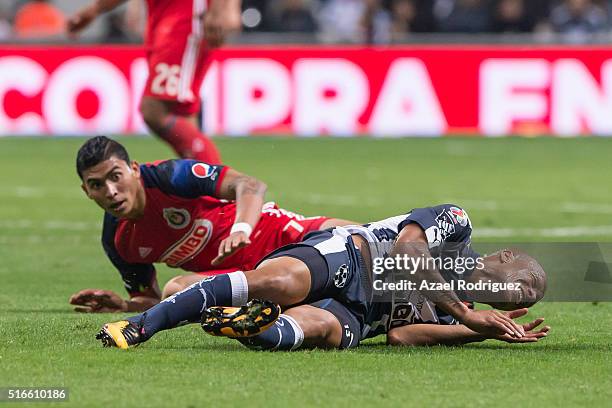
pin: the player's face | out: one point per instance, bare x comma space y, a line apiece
508, 266
115, 186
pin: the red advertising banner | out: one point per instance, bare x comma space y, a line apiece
309, 91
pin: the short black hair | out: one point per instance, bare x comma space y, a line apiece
96, 150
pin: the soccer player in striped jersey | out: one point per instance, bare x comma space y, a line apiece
205, 219
179, 37
327, 283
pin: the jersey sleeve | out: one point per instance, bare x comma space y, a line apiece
184, 178
447, 223
136, 277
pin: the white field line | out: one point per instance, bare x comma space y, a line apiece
40, 239
49, 225
346, 200
40, 192
340, 200
552, 232
586, 208
563, 207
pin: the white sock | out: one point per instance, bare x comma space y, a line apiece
240, 288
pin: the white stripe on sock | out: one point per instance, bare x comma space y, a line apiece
280, 338
299, 333
240, 288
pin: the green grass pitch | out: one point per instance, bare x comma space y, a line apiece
514, 189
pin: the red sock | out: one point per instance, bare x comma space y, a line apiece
188, 141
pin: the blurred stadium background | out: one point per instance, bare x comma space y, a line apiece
349, 21
339, 67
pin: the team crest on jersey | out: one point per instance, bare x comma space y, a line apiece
177, 218
460, 215
203, 170
190, 245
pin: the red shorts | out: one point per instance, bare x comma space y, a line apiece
177, 56
276, 228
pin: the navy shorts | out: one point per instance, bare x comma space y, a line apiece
337, 271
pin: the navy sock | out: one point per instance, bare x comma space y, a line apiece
187, 306
286, 334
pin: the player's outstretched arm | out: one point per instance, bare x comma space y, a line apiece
107, 301
86, 15
249, 194
453, 335
413, 243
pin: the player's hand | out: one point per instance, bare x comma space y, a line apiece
221, 18
81, 19
493, 323
98, 301
230, 245
214, 28
530, 336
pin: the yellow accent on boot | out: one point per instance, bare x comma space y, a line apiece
115, 330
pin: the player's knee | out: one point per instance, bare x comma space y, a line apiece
153, 113
394, 339
173, 286
284, 280
327, 326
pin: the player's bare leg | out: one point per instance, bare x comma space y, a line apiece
269, 267
336, 222
181, 132
178, 283
321, 328
283, 280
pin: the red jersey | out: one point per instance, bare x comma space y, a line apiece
183, 225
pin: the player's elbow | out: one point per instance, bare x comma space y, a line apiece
394, 339
406, 338
251, 185
260, 185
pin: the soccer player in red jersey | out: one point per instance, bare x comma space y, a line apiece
187, 214
179, 37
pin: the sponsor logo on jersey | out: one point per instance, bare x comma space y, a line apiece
177, 218
460, 215
341, 276
190, 245
417, 310
446, 223
202, 170
434, 236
